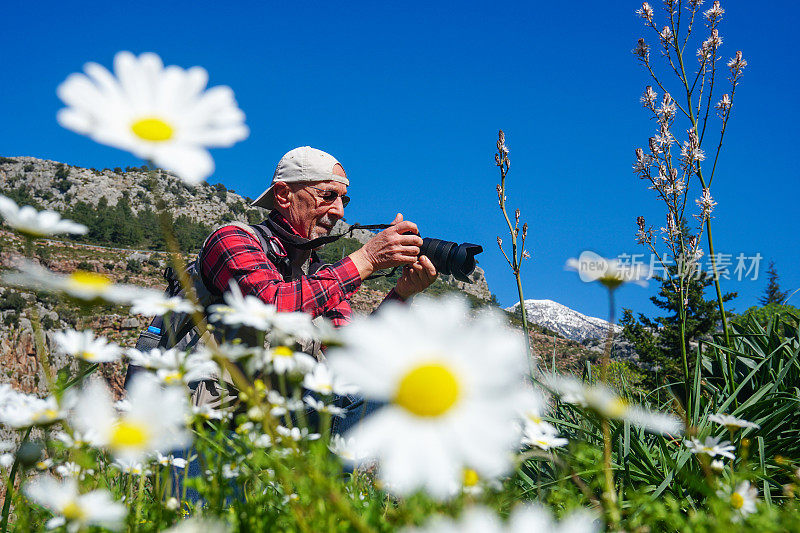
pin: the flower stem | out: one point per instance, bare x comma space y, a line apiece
138, 516
609, 495
10, 486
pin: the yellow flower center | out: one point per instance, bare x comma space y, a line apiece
128, 434
427, 390
616, 408
88, 356
283, 351
737, 501
82, 279
46, 414
470, 477
173, 377
73, 511
610, 281
152, 129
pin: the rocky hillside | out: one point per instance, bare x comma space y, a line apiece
60, 187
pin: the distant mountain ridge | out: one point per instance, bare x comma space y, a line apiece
565, 321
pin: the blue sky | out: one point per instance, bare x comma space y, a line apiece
409, 96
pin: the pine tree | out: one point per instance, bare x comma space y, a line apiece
773, 292
657, 340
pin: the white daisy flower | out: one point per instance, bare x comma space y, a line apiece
86, 286
156, 420
280, 405
296, 434
322, 407
711, 447
610, 272
545, 440
159, 114
6, 460
449, 406
76, 510
243, 310
717, 465
742, 499
473, 485
346, 449
74, 441
157, 304
44, 465
18, 410
290, 326
173, 366
534, 405
170, 460
33, 223
84, 345
70, 469
230, 471
608, 404
284, 360
321, 380
129, 466
205, 412
262, 441
731, 422
524, 519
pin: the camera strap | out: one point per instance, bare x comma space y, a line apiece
309, 244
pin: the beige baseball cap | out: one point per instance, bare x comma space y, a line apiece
298, 165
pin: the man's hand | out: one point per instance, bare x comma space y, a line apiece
389, 248
416, 278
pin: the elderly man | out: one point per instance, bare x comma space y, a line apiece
307, 197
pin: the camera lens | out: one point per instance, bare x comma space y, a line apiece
457, 260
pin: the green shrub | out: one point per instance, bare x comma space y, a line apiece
28, 167
134, 266
84, 265
13, 301
62, 171
48, 323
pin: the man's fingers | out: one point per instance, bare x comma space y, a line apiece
410, 240
406, 226
427, 265
397, 218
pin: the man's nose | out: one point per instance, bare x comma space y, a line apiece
337, 208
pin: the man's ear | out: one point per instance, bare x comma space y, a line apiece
283, 195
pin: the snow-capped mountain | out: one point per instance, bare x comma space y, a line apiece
568, 322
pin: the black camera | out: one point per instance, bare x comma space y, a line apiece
457, 260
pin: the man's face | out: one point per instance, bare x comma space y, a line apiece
309, 214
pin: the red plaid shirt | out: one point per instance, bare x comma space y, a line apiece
233, 253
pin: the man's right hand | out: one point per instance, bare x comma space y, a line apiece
389, 248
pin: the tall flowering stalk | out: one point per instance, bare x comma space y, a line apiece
670, 165
518, 252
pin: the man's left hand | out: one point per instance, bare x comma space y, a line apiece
416, 277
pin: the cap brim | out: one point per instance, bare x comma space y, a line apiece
266, 200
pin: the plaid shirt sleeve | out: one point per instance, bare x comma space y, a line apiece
233, 253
